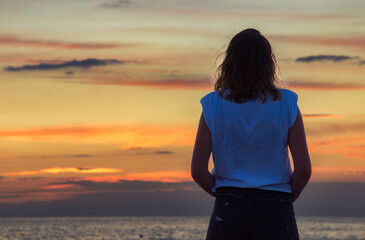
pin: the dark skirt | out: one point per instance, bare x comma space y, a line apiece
249, 213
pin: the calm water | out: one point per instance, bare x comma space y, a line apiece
162, 228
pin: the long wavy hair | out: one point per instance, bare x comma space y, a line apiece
248, 69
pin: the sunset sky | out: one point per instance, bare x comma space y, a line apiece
98, 91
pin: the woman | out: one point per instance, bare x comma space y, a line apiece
247, 124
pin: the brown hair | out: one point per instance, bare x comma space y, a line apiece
248, 69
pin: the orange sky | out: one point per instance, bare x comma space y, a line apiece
131, 112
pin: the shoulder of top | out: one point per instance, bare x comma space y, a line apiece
287, 91
211, 94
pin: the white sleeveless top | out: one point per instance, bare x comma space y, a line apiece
250, 140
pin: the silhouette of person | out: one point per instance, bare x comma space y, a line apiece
247, 124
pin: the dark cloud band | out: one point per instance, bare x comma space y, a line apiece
325, 85
116, 4
318, 115
320, 58
86, 63
163, 152
109, 200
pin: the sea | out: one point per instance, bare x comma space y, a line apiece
159, 228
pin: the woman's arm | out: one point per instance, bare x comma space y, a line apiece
200, 158
299, 151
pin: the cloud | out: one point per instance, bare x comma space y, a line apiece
200, 10
21, 173
57, 170
320, 116
161, 203
335, 138
338, 170
320, 58
57, 156
162, 176
317, 199
352, 152
122, 185
349, 147
173, 83
163, 152
297, 84
216, 10
53, 188
127, 135
358, 173
10, 196
116, 4
14, 40
353, 42
6, 58
29, 178
67, 156
185, 31
86, 63
196, 82
81, 155
337, 128
58, 186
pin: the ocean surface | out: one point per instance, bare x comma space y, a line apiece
158, 228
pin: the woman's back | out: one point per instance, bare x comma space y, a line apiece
250, 140
247, 124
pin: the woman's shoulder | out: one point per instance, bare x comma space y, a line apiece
211, 94
285, 90
288, 93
